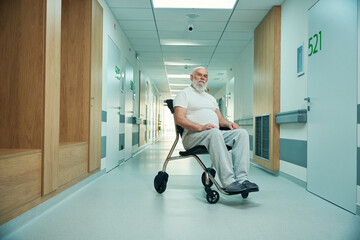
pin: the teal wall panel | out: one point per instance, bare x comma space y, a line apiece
251, 142
135, 138
358, 166
121, 141
103, 146
103, 116
294, 151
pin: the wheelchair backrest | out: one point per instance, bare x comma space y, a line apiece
170, 105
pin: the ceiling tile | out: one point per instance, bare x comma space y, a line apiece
129, 3
241, 26
190, 35
232, 43
140, 34
235, 35
132, 14
226, 49
258, 4
147, 48
183, 26
137, 25
249, 15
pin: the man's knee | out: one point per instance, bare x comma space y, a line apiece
242, 133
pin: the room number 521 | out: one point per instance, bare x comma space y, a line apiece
315, 44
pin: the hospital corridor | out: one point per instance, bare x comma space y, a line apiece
181, 119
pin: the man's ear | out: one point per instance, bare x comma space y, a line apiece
191, 77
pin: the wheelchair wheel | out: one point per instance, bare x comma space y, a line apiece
244, 195
213, 197
160, 181
203, 177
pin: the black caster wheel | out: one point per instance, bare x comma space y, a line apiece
160, 181
203, 177
244, 195
213, 197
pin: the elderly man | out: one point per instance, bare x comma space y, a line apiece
198, 113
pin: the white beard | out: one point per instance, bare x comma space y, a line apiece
199, 86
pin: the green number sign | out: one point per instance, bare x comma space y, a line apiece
314, 44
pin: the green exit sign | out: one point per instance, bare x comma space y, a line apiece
314, 44
117, 73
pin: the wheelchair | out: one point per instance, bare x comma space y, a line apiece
208, 176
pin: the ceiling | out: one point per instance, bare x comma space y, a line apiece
164, 44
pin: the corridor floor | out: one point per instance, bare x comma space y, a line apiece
123, 204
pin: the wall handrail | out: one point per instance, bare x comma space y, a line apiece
248, 121
295, 116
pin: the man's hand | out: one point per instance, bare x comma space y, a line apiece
207, 127
233, 125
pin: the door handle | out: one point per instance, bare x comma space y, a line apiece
307, 99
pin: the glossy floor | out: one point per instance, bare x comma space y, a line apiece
123, 204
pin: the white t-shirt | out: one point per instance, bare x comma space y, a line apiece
200, 106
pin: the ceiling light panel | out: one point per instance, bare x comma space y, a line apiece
188, 49
180, 64
206, 4
199, 34
187, 42
183, 14
179, 56
178, 76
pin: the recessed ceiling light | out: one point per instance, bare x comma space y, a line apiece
178, 75
208, 4
179, 64
192, 15
178, 84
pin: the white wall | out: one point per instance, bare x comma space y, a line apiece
112, 29
243, 72
294, 32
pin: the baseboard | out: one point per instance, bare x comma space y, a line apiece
140, 149
293, 179
20, 221
273, 172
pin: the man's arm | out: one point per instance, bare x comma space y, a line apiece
223, 122
181, 120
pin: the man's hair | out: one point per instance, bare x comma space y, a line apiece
194, 70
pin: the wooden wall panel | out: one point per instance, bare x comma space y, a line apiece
96, 86
22, 73
52, 96
267, 80
20, 178
75, 70
73, 162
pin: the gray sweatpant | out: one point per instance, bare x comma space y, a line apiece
230, 169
